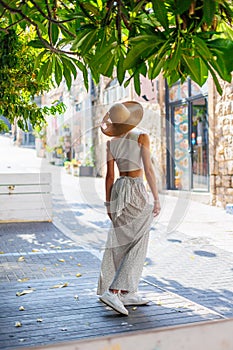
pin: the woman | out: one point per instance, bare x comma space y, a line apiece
127, 207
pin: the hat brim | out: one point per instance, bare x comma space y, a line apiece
117, 129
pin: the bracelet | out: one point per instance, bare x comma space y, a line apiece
156, 201
106, 204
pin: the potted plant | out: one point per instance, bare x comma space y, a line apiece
67, 165
75, 166
87, 168
59, 158
50, 154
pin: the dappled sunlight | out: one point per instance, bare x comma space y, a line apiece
30, 238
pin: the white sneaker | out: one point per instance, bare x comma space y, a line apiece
133, 299
113, 300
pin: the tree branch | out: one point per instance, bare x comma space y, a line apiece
4, 30
109, 10
118, 20
50, 19
48, 9
44, 42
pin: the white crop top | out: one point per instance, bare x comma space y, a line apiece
126, 151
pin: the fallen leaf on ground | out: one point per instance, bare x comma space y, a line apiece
21, 258
61, 260
21, 340
23, 279
78, 274
134, 308
146, 263
18, 324
39, 320
62, 285
35, 250
26, 291
79, 264
2, 253
21, 308
44, 269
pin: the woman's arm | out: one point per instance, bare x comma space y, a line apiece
144, 141
109, 179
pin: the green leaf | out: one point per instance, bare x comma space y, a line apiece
156, 68
39, 58
209, 55
101, 54
36, 43
175, 58
58, 70
202, 48
139, 6
143, 69
160, 12
197, 69
223, 49
217, 84
137, 84
173, 77
100, 4
83, 68
107, 66
69, 65
209, 9
41, 26
193, 69
182, 5
120, 69
55, 33
86, 42
48, 72
141, 50
67, 76
43, 69
126, 83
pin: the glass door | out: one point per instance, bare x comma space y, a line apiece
181, 155
199, 145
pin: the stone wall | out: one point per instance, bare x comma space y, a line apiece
222, 170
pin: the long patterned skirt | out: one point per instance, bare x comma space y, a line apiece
127, 241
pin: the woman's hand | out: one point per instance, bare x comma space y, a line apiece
157, 208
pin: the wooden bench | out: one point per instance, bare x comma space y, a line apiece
25, 197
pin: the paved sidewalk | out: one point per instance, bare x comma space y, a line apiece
188, 273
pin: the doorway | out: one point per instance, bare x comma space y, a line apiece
199, 145
187, 139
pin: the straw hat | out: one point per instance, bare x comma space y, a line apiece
121, 118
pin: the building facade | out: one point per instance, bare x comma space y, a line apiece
190, 127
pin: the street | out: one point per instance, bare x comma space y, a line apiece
188, 269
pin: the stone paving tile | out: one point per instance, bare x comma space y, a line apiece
192, 268
74, 312
54, 264
24, 237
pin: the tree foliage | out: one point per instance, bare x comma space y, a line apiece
179, 38
19, 83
